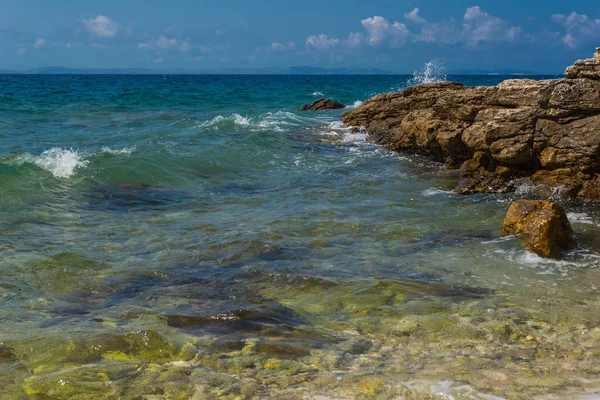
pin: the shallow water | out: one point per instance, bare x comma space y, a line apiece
195, 236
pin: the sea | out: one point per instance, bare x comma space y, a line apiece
196, 237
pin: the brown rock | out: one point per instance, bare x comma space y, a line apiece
588, 68
542, 224
322, 104
521, 126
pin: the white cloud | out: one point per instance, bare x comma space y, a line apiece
414, 16
185, 46
277, 46
102, 26
355, 39
144, 45
101, 46
291, 45
163, 43
39, 43
579, 29
479, 26
321, 42
380, 30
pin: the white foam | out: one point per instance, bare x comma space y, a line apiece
545, 266
234, 118
581, 218
61, 163
317, 94
435, 192
356, 104
123, 151
434, 71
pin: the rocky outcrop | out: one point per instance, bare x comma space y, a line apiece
547, 130
589, 68
322, 104
542, 224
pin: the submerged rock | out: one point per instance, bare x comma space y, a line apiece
322, 104
548, 130
543, 225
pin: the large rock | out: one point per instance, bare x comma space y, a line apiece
542, 224
588, 68
501, 133
322, 104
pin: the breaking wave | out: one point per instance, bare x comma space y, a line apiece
62, 163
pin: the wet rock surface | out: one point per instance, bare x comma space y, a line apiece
548, 130
543, 225
322, 104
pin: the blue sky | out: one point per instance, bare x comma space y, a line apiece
399, 35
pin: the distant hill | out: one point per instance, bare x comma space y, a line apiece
302, 70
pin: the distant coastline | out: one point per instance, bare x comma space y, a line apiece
297, 70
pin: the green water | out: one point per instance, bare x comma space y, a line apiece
196, 237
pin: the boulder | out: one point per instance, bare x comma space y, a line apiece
322, 104
501, 133
542, 224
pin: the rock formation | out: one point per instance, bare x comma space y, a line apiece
547, 130
542, 224
322, 104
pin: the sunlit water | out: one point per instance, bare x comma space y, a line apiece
196, 237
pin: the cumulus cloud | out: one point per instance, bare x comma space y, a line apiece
414, 16
102, 26
277, 46
479, 26
379, 31
355, 39
185, 46
163, 43
39, 43
579, 29
321, 42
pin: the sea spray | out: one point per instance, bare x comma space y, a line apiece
434, 71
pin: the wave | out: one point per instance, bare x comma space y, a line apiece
123, 151
220, 121
433, 71
62, 163
275, 121
317, 94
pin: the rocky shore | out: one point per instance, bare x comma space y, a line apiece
548, 131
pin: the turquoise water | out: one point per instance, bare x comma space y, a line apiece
196, 237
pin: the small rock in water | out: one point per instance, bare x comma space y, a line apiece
322, 104
543, 224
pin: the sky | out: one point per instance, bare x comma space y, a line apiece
395, 35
